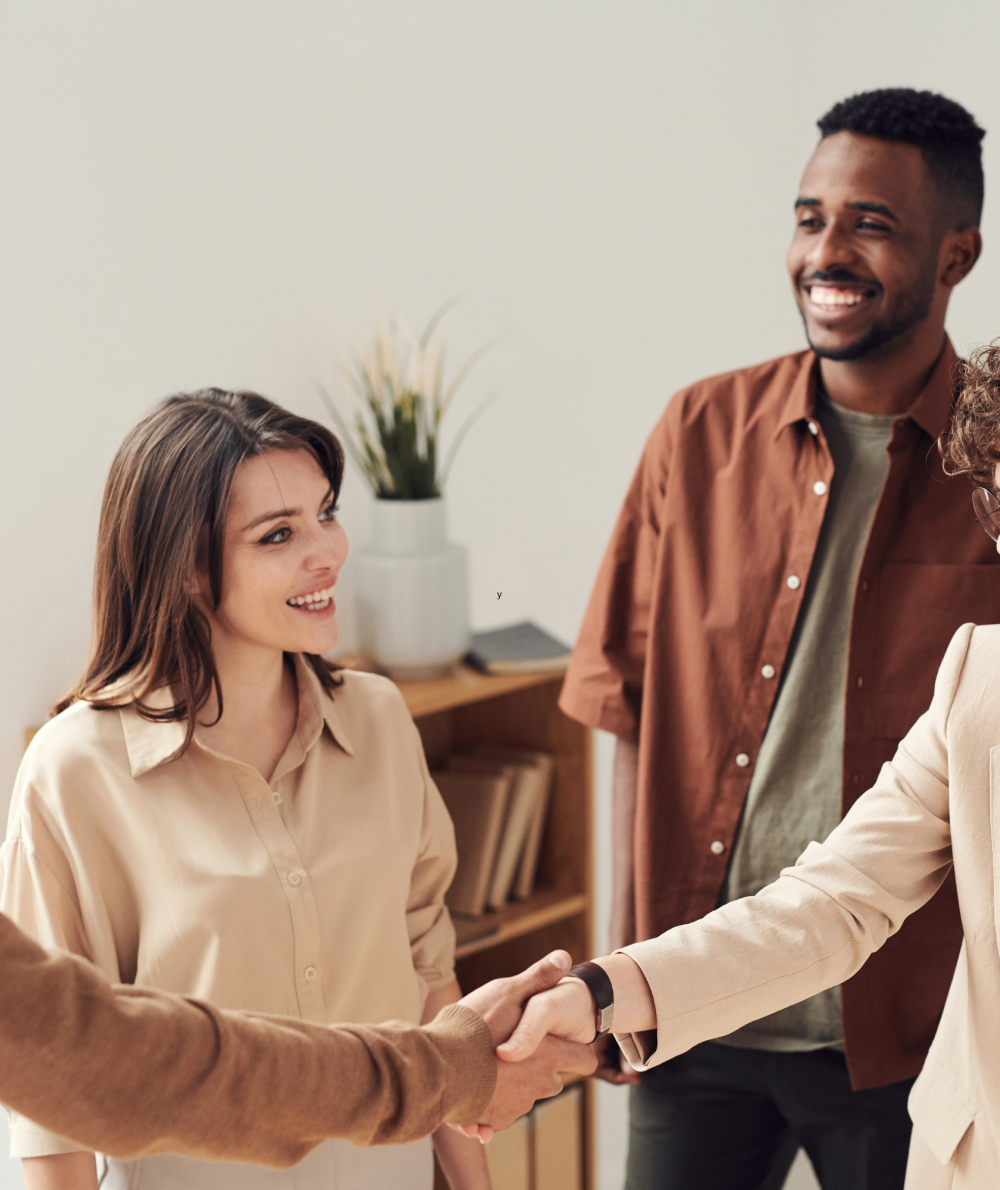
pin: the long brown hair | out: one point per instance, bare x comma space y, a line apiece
168, 490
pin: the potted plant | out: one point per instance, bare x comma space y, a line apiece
412, 583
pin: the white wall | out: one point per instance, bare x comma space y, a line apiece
209, 192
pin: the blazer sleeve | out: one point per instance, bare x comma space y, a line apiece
130, 1071
818, 923
428, 922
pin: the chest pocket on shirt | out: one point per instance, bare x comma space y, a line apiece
920, 607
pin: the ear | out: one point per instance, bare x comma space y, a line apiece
198, 585
959, 252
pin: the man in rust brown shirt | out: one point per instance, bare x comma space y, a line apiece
132, 1071
786, 572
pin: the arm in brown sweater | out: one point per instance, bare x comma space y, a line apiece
129, 1071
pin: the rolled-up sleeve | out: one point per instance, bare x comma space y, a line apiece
603, 686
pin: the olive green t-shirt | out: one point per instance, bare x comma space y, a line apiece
795, 792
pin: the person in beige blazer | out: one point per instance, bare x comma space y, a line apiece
934, 809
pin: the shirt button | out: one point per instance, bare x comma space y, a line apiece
793, 582
742, 759
277, 797
717, 848
819, 487
767, 671
294, 878
310, 973
813, 428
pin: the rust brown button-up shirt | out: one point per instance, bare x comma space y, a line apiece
699, 591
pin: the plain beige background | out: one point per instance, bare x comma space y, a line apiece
213, 192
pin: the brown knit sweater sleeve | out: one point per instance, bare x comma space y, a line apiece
129, 1071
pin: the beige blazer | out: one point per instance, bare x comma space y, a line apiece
937, 804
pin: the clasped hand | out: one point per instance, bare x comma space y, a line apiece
539, 1038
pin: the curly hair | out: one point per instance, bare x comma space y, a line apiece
946, 134
971, 445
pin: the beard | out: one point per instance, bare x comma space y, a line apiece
910, 312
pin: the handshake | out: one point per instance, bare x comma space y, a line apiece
542, 1027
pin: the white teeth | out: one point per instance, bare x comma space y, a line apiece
317, 600
821, 296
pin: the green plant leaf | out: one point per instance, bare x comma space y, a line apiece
393, 436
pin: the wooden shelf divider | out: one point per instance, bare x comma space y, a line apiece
517, 918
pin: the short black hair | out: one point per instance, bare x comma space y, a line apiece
946, 134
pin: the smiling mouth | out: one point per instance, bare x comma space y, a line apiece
837, 297
315, 601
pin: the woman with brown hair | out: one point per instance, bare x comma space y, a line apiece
215, 810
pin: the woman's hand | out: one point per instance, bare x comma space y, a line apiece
565, 1011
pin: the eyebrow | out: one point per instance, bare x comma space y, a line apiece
282, 512
873, 208
272, 516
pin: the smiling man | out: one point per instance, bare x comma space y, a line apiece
785, 575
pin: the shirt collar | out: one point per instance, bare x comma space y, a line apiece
316, 707
800, 404
149, 743
931, 409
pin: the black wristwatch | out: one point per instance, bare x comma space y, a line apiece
596, 979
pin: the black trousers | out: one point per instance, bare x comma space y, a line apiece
721, 1118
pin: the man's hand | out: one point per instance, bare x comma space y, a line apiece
612, 1065
501, 1001
520, 1084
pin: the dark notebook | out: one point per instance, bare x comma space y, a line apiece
521, 648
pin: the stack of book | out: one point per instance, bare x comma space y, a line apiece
497, 798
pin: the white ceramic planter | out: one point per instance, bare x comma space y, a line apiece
412, 590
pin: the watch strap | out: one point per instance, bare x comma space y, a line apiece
597, 980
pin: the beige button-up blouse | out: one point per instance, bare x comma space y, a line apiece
319, 895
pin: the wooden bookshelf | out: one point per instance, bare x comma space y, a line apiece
467, 708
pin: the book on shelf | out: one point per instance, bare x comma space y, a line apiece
543, 769
477, 803
519, 648
523, 780
498, 799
